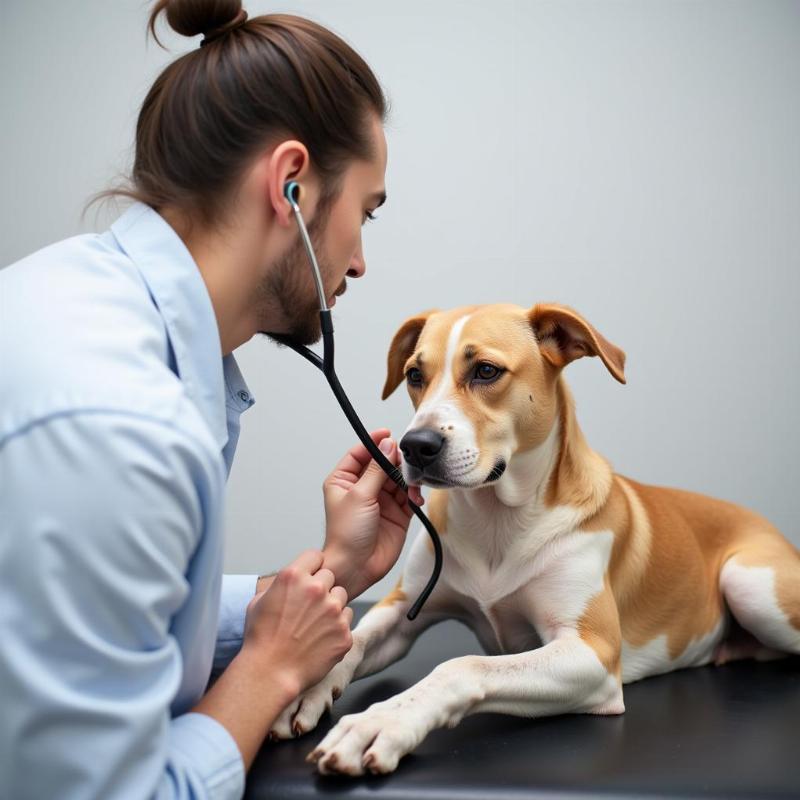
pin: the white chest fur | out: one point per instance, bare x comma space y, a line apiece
530, 574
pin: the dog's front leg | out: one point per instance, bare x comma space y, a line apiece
565, 675
383, 636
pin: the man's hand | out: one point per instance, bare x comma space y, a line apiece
300, 626
367, 516
295, 632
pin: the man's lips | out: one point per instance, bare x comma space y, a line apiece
338, 293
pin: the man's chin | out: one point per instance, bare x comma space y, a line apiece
307, 334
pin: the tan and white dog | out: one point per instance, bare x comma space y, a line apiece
574, 579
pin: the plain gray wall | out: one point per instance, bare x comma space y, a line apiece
638, 161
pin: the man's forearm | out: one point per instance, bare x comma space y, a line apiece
246, 700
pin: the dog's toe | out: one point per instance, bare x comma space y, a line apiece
282, 727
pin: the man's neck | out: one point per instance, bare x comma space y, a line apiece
228, 266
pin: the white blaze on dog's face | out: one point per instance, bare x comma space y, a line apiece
482, 380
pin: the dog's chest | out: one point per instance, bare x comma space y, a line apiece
520, 590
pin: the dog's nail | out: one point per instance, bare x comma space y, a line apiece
369, 763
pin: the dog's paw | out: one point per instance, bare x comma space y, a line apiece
305, 712
372, 741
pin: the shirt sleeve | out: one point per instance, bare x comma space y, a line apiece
237, 592
101, 515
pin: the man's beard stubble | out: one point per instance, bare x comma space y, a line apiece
290, 284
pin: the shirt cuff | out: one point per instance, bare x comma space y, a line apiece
204, 748
237, 592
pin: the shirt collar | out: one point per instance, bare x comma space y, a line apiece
239, 397
181, 296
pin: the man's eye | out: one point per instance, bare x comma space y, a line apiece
414, 376
369, 216
487, 372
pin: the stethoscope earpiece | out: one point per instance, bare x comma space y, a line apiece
291, 191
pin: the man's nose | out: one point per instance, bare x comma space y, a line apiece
357, 264
421, 447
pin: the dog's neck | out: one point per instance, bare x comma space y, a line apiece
561, 471
581, 477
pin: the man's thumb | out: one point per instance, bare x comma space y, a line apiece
374, 477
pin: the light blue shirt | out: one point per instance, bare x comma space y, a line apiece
119, 418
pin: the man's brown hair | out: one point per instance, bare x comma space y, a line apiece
212, 110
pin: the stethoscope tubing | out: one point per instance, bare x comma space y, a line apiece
326, 365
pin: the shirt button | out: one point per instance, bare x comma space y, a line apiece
244, 396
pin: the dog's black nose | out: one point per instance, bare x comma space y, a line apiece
422, 447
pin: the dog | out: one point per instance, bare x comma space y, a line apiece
574, 579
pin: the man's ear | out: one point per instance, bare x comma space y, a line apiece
564, 335
402, 346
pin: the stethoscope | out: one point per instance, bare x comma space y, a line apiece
291, 191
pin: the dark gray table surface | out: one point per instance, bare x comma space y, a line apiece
720, 732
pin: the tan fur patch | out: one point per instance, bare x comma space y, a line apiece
397, 595
624, 514
436, 510
564, 335
402, 344
430, 350
678, 593
581, 477
599, 628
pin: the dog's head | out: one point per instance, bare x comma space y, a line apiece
483, 382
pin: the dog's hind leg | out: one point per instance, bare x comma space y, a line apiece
761, 585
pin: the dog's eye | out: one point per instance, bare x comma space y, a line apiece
414, 376
486, 373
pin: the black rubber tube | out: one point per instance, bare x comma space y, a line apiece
326, 365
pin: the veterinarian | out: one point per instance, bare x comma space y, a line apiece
120, 416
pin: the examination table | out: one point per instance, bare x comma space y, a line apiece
711, 732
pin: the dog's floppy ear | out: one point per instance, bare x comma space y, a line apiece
564, 335
402, 346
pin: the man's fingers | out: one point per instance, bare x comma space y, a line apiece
357, 457
339, 594
326, 578
309, 561
413, 493
373, 479
394, 511
360, 453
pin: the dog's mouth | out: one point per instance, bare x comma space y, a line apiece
497, 471
437, 481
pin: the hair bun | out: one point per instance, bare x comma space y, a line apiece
195, 17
